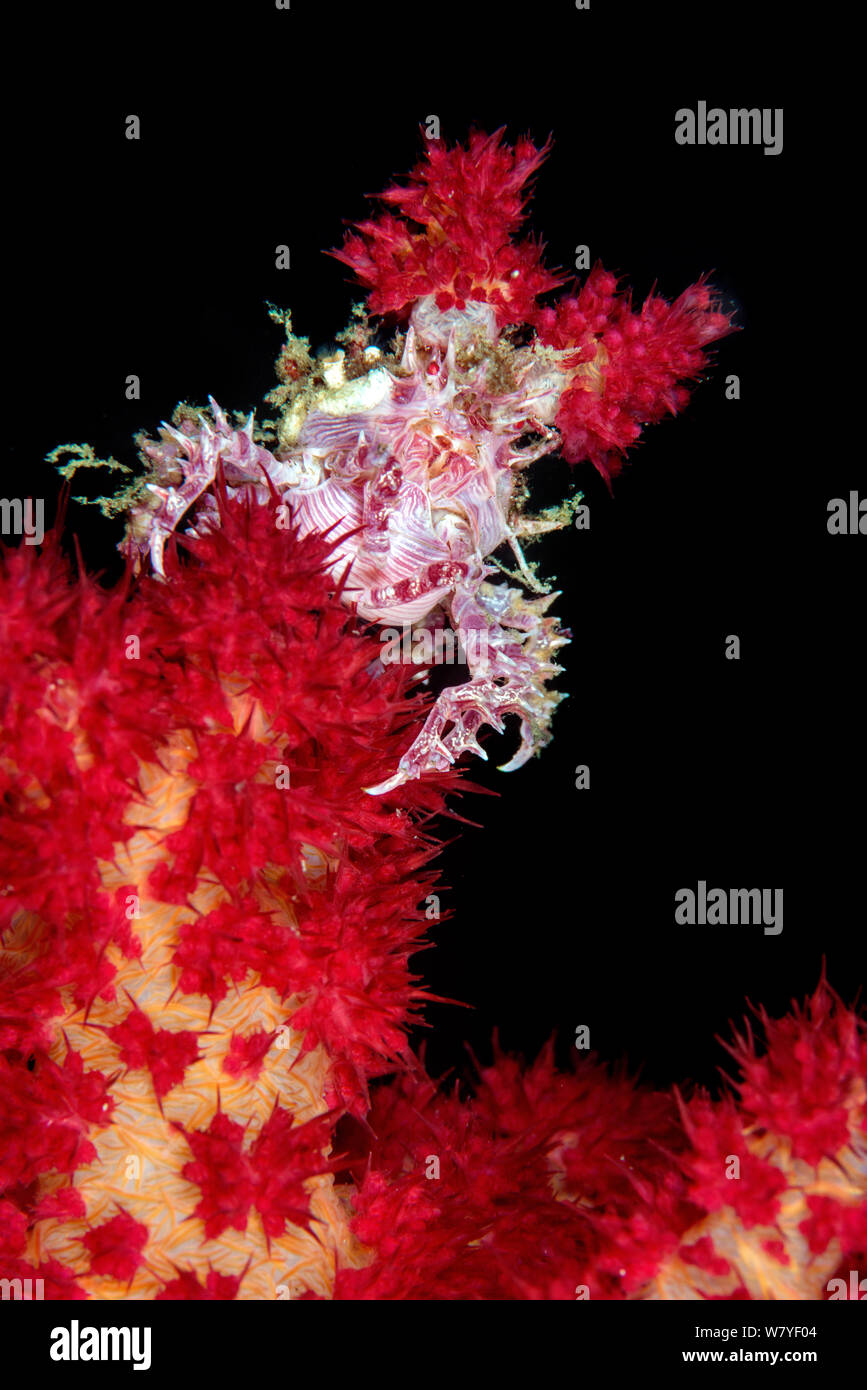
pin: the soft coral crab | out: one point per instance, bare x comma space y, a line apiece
412, 463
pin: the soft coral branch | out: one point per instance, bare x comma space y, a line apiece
553, 1185
643, 361
470, 203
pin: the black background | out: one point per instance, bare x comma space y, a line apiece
157, 257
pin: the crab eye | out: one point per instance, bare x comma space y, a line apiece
433, 367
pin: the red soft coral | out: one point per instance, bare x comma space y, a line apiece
804, 1084
547, 1184
165, 1054
116, 1246
643, 361
470, 203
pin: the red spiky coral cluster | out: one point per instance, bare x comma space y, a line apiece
100, 683
801, 1086
561, 1185
544, 1185
269, 1176
470, 203
645, 359
257, 606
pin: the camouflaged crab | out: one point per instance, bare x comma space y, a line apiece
412, 462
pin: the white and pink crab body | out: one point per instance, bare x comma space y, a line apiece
411, 470
411, 462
